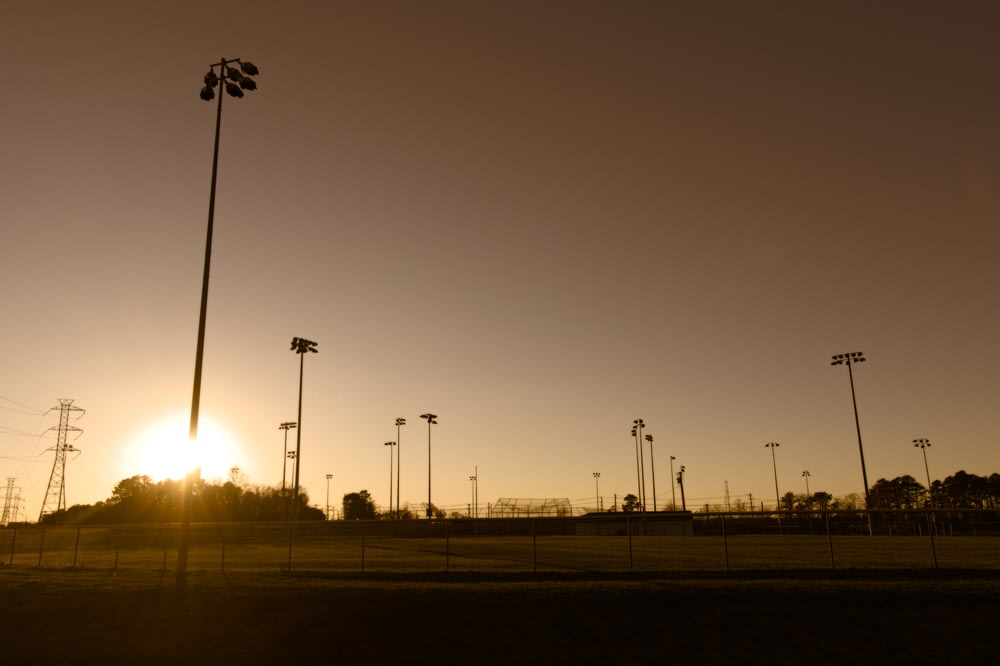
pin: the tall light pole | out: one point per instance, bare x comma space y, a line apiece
673, 493
806, 475
300, 346
286, 426
430, 418
391, 445
924, 444
399, 447
637, 426
328, 477
235, 81
652, 468
774, 464
291, 456
597, 489
849, 360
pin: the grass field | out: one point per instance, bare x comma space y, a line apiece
348, 554
554, 600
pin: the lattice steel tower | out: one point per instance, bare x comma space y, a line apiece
55, 494
12, 498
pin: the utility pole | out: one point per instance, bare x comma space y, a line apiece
55, 493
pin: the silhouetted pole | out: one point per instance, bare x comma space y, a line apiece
430, 421
774, 464
286, 426
391, 445
806, 475
474, 506
399, 448
680, 482
849, 360
597, 489
300, 346
673, 493
638, 425
328, 477
924, 444
235, 82
652, 468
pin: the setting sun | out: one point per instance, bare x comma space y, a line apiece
164, 451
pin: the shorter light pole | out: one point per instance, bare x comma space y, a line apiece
475, 493
399, 449
774, 464
680, 482
924, 444
431, 420
328, 477
652, 468
286, 426
673, 491
597, 489
291, 456
390, 445
806, 475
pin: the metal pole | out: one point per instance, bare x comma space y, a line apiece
185, 527
652, 468
857, 424
298, 434
673, 493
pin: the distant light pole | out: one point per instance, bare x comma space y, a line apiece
288, 512
637, 426
774, 464
391, 445
680, 482
328, 477
849, 360
300, 346
399, 447
430, 418
475, 492
924, 444
235, 82
806, 475
652, 468
597, 489
673, 493
286, 426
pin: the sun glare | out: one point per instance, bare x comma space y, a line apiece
164, 451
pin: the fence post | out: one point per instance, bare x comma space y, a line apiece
447, 547
362, 553
930, 533
628, 531
290, 531
41, 546
13, 540
725, 540
829, 538
76, 546
534, 548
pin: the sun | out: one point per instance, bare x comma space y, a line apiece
164, 450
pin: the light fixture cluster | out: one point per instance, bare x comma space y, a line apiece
853, 357
301, 346
234, 80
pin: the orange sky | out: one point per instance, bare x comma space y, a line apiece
538, 220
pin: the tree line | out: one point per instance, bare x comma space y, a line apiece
138, 499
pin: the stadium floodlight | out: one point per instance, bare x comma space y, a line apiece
597, 490
637, 426
777, 497
286, 426
211, 80
924, 444
673, 491
806, 475
431, 420
391, 445
849, 360
652, 468
399, 448
300, 346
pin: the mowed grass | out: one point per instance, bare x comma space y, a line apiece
343, 554
130, 616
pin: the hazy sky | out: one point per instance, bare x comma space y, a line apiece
538, 220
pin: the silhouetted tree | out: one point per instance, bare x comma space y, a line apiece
359, 506
630, 503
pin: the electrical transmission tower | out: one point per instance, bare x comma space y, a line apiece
12, 499
55, 494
